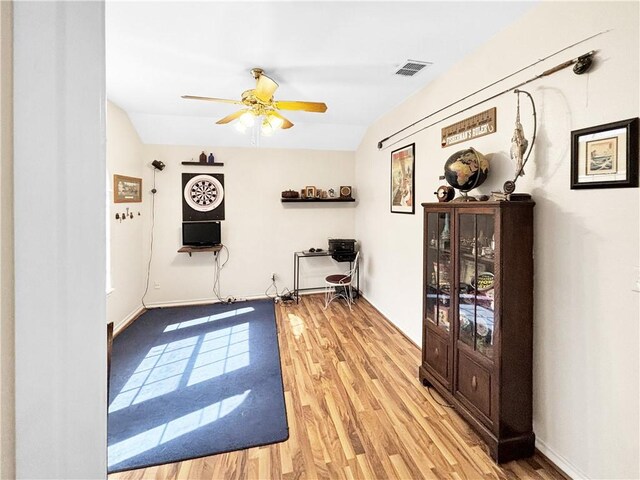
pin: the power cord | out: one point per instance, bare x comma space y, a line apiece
216, 274
285, 297
153, 222
275, 287
434, 399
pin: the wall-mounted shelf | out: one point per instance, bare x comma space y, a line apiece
318, 200
185, 249
215, 164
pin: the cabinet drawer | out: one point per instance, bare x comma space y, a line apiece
474, 383
437, 355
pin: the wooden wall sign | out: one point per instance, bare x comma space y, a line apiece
478, 125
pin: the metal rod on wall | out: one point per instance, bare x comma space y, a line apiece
583, 58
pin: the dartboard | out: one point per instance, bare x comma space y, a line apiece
203, 193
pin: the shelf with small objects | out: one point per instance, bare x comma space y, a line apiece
312, 194
205, 161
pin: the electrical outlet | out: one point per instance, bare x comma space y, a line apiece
273, 277
156, 285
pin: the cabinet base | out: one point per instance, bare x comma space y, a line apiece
503, 449
513, 448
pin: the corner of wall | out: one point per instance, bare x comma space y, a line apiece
127, 251
7, 313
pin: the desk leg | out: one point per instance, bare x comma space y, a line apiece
296, 276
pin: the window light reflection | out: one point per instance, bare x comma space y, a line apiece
221, 352
210, 318
297, 325
166, 432
171, 366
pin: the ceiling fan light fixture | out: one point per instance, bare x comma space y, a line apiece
241, 127
267, 129
247, 119
274, 121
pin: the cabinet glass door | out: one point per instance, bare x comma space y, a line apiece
438, 270
476, 265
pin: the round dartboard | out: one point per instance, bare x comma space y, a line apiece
203, 193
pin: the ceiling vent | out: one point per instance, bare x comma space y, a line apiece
411, 67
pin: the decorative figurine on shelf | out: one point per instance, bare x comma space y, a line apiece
211, 159
445, 236
203, 157
445, 193
290, 194
482, 239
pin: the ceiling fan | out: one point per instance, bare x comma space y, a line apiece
259, 102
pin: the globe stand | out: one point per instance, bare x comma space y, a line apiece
464, 197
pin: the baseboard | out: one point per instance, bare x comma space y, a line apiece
128, 320
201, 301
558, 461
391, 323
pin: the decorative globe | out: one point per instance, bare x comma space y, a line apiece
466, 169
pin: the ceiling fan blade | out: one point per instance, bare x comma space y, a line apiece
285, 123
232, 117
305, 106
265, 88
211, 99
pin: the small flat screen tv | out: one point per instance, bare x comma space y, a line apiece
200, 234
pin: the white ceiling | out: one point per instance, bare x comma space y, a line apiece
341, 53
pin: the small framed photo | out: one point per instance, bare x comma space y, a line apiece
402, 180
345, 191
605, 156
310, 192
127, 189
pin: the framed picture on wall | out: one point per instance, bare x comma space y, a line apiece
605, 156
127, 189
310, 191
403, 180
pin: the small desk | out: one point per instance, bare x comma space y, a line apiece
186, 249
296, 271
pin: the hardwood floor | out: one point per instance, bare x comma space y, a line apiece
356, 409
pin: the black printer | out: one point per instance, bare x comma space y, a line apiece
342, 249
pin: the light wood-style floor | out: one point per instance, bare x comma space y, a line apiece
356, 409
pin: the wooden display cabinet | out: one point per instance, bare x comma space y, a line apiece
478, 317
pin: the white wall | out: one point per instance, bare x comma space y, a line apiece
127, 252
586, 355
59, 198
260, 232
7, 353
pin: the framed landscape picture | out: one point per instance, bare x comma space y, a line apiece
605, 156
127, 189
403, 180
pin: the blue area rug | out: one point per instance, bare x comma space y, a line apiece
189, 382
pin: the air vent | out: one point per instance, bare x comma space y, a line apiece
411, 67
